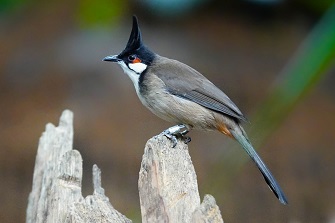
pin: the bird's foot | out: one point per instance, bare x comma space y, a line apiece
170, 136
177, 131
187, 139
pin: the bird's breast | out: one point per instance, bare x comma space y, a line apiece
155, 96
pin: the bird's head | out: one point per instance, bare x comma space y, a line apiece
136, 57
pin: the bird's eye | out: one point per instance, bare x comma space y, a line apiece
132, 57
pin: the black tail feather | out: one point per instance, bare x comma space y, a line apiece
270, 180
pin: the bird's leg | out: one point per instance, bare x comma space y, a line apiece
187, 139
170, 136
177, 130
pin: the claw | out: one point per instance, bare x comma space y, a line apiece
177, 130
187, 139
173, 138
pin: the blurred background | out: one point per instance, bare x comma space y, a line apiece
274, 58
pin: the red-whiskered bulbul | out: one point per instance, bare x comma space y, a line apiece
179, 94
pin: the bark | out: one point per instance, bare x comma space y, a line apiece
167, 184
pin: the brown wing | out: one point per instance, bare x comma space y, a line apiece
185, 82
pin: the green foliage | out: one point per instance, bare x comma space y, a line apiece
314, 58
312, 61
9, 5
319, 6
100, 12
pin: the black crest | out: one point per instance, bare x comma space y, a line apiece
135, 39
136, 46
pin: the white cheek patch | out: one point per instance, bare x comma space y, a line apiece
137, 67
123, 66
134, 77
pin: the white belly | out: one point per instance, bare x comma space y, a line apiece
177, 110
169, 107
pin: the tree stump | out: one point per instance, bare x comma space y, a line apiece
167, 184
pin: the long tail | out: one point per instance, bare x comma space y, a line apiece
241, 137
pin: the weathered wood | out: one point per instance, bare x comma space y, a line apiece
207, 212
167, 184
49, 181
96, 207
56, 193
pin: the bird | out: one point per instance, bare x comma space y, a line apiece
179, 94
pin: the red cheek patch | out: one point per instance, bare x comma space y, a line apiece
137, 60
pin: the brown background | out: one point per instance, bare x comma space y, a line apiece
50, 61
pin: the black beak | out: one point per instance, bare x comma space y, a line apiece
113, 58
